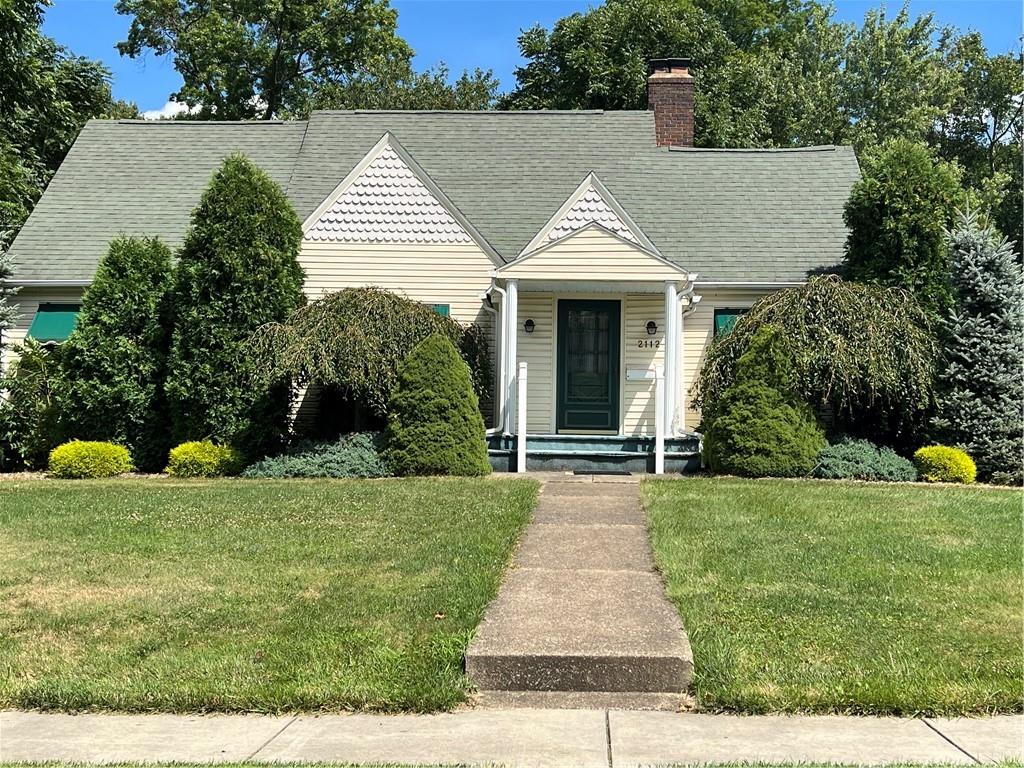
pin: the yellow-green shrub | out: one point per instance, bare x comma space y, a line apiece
203, 459
942, 464
82, 458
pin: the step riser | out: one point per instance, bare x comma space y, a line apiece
568, 443
580, 673
505, 461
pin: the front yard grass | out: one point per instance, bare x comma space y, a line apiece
244, 595
844, 597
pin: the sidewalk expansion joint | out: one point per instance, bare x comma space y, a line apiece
266, 743
608, 737
946, 738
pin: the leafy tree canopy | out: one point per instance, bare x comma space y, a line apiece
242, 59
861, 353
897, 215
46, 95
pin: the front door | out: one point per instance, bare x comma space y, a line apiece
588, 366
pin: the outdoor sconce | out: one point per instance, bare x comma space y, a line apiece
652, 327
529, 325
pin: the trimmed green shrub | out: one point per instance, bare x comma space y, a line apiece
863, 460
113, 365
761, 428
203, 458
30, 426
354, 340
237, 270
942, 464
844, 338
80, 459
434, 424
356, 455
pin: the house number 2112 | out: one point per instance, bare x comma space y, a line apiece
648, 343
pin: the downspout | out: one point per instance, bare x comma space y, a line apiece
499, 333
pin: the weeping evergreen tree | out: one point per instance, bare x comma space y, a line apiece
114, 363
980, 401
8, 311
237, 270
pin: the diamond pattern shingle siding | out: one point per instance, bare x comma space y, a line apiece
590, 209
387, 203
743, 216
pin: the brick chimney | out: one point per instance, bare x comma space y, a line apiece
670, 96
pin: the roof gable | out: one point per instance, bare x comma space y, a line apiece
384, 200
590, 204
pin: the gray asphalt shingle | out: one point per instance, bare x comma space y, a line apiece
731, 215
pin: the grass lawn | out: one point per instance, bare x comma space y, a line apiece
246, 595
841, 597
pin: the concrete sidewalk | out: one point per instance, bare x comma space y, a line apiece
521, 737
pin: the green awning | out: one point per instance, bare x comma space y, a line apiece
53, 322
725, 319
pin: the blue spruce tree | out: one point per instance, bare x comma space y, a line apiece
980, 397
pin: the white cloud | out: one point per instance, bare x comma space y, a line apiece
169, 110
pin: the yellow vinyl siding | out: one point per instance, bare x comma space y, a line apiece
593, 255
452, 274
27, 301
639, 396
698, 332
537, 350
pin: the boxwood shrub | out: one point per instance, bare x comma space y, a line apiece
943, 464
80, 459
862, 460
355, 455
203, 458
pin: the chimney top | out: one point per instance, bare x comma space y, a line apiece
673, 66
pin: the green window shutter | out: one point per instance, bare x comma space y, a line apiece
441, 309
725, 319
53, 322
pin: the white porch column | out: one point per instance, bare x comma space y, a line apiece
511, 352
671, 355
659, 420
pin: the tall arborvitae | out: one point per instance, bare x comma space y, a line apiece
237, 270
980, 403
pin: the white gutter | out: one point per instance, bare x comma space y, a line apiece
782, 284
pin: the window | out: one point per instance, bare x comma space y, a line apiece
441, 309
53, 322
725, 319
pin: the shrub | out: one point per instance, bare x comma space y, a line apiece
942, 464
355, 339
203, 459
113, 363
356, 455
29, 417
237, 270
862, 460
981, 381
761, 428
843, 337
83, 459
434, 425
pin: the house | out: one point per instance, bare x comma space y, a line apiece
595, 246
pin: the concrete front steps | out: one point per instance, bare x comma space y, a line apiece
618, 453
582, 619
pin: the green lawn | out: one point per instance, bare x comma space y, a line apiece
843, 597
245, 595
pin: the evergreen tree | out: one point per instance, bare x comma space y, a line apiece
237, 270
897, 215
8, 311
980, 404
114, 362
434, 421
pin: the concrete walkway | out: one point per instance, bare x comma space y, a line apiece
582, 610
518, 738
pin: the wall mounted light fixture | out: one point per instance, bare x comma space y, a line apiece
529, 325
652, 327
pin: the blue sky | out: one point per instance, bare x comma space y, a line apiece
463, 33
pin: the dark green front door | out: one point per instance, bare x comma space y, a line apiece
588, 366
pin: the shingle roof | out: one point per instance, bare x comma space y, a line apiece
731, 215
